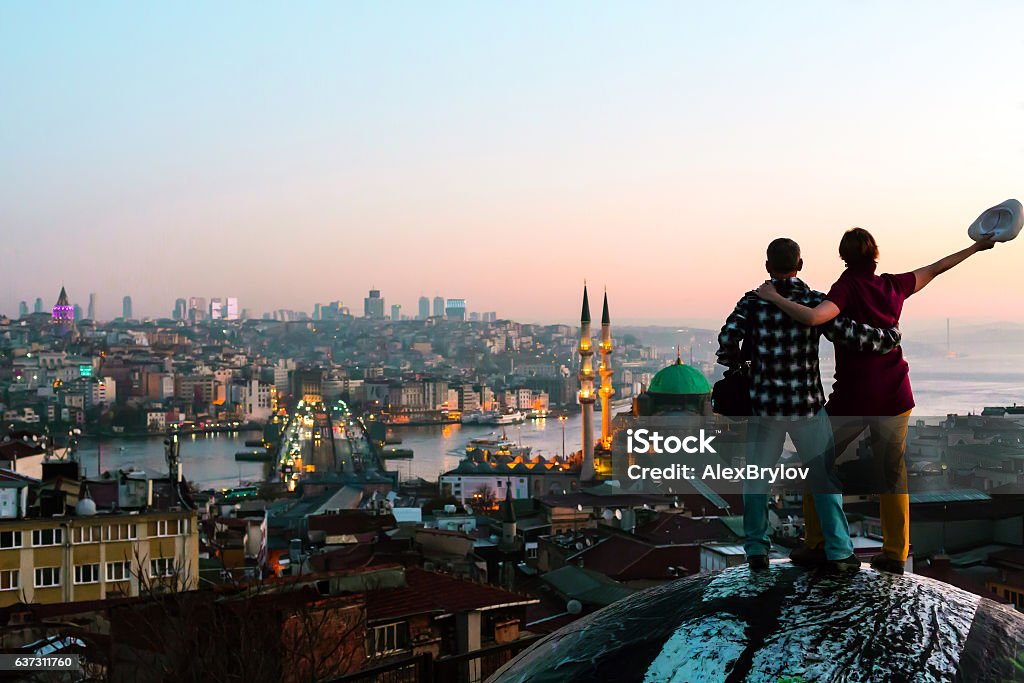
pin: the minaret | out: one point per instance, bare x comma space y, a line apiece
586, 395
606, 392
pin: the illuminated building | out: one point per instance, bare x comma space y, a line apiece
605, 369
586, 394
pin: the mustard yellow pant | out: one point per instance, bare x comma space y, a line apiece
888, 442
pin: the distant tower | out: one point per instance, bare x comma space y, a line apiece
424, 310
508, 517
586, 395
63, 313
126, 308
606, 392
92, 306
38, 308
23, 309
438, 306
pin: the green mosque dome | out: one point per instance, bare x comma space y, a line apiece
679, 379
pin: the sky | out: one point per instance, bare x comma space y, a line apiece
289, 153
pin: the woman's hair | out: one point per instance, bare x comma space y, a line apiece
858, 248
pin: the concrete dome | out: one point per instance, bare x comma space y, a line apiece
85, 508
786, 624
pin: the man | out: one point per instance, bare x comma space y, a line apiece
787, 398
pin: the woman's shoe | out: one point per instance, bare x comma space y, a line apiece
884, 563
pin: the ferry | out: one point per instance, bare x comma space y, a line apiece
254, 455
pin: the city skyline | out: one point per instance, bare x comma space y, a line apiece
319, 149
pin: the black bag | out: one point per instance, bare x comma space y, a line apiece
731, 395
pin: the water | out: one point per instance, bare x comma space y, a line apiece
432, 445
208, 460
941, 386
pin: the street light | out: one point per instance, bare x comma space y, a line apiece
562, 419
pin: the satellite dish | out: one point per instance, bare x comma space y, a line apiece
618, 514
573, 607
579, 546
607, 514
469, 510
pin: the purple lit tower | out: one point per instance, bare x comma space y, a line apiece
64, 313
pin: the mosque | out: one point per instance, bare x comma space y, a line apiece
676, 389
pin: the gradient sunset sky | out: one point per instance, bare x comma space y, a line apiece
289, 153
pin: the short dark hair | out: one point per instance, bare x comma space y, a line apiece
783, 255
858, 248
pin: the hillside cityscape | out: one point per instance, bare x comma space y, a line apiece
362, 533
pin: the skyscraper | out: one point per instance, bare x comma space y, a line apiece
373, 305
39, 304
396, 311
197, 309
126, 308
180, 309
23, 309
424, 311
455, 309
216, 308
78, 312
438, 306
92, 306
231, 308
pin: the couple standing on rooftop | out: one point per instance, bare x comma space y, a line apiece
772, 338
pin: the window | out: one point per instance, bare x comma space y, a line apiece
118, 571
182, 527
44, 537
385, 640
10, 539
161, 566
161, 528
87, 573
47, 576
10, 580
120, 532
86, 534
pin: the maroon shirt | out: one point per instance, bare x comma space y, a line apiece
867, 383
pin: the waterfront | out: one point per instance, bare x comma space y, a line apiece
208, 460
941, 386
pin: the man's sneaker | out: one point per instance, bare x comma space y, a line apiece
847, 565
884, 563
802, 556
758, 563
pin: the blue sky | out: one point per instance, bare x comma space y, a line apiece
301, 152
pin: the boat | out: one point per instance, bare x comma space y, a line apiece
254, 443
396, 453
254, 455
496, 417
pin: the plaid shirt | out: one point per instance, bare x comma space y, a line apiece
783, 354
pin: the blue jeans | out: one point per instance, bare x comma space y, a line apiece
812, 437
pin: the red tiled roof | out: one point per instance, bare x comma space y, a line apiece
428, 592
625, 558
351, 522
680, 529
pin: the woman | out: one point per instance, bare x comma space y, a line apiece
871, 390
